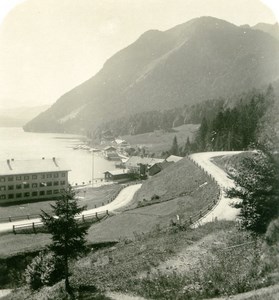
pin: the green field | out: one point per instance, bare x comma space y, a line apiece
159, 141
87, 196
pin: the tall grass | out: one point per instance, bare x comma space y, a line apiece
223, 272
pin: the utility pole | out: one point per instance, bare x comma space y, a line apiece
92, 179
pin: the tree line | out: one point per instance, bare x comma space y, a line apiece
232, 128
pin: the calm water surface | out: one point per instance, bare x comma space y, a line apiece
17, 144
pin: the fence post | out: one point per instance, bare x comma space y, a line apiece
34, 229
10, 219
28, 217
14, 229
95, 205
107, 212
96, 215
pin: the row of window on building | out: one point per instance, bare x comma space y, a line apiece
27, 177
33, 185
33, 194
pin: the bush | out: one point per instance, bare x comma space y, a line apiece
42, 271
155, 197
272, 233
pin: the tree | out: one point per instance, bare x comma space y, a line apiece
68, 237
174, 149
257, 187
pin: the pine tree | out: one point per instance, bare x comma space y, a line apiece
68, 237
257, 187
174, 149
187, 147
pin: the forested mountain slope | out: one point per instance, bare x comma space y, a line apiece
202, 59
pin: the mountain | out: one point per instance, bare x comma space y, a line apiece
198, 60
19, 116
272, 29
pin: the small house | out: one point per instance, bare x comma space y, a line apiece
110, 153
117, 175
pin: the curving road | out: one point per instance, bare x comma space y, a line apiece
124, 197
222, 210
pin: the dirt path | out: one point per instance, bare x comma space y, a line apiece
188, 258
124, 197
223, 210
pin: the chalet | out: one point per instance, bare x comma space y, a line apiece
117, 175
32, 179
121, 144
110, 153
135, 163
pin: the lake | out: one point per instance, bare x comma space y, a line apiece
17, 144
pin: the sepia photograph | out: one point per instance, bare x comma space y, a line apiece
139, 149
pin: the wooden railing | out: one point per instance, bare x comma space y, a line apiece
33, 226
35, 216
196, 218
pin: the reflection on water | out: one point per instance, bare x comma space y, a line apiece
17, 144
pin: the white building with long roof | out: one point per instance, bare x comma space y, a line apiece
32, 179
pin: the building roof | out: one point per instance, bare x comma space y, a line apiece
118, 172
119, 141
173, 158
162, 165
134, 161
110, 148
14, 167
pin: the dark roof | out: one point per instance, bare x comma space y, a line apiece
134, 161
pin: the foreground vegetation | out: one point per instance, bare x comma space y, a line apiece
174, 263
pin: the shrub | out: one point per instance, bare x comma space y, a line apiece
272, 233
42, 271
155, 197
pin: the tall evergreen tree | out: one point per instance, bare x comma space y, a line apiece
68, 237
257, 187
174, 149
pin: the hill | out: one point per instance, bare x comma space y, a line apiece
272, 29
201, 59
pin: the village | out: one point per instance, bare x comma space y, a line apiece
129, 165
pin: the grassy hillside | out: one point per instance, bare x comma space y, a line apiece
228, 163
211, 261
159, 141
179, 179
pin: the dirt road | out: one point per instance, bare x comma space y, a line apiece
124, 197
223, 210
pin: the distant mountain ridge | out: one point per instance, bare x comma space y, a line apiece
19, 116
190, 63
272, 29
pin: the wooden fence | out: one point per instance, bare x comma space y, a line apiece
195, 219
36, 216
34, 226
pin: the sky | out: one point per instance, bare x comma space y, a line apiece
47, 47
